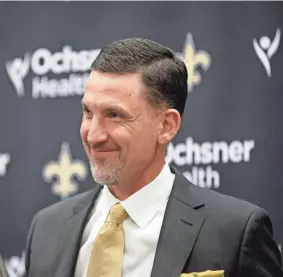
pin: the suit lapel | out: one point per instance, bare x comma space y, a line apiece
180, 228
71, 233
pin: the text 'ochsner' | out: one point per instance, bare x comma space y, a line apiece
57, 74
203, 155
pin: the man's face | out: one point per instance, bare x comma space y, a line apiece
119, 127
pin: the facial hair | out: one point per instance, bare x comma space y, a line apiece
106, 174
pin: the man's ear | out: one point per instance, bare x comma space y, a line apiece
169, 126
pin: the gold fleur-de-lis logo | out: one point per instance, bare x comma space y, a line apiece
63, 171
193, 60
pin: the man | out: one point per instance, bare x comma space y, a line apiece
143, 218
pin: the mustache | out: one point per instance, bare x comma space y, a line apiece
102, 147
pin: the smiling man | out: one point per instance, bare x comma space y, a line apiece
143, 218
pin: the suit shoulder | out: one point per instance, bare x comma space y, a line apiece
223, 204
228, 214
65, 207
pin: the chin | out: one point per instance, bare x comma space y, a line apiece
104, 175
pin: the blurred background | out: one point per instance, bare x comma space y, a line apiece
232, 133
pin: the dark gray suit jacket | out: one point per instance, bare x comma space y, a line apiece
202, 230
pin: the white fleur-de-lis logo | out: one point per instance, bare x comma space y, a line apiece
266, 48
194, 59
64, 170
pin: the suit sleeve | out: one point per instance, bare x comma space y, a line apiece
259, 254
28, 247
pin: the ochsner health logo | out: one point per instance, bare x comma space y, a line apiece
266, 48
16, 266
17, 70
54, 74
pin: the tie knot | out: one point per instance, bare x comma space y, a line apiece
117, 214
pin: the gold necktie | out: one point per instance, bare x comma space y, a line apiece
106, 258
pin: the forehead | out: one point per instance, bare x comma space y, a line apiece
105, 87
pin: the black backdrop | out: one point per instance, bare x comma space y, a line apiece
231, 138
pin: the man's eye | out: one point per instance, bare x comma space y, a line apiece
86, 111
113, 114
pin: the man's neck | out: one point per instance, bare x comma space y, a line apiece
129, 186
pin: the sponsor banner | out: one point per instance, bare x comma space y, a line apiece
231, 137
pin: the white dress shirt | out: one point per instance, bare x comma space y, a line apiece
142, 227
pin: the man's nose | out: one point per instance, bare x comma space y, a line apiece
97, 132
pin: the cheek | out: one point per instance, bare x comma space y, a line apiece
134, 141
145, 141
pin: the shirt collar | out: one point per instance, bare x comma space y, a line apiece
143, 205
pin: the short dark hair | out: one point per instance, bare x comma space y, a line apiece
163, 73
